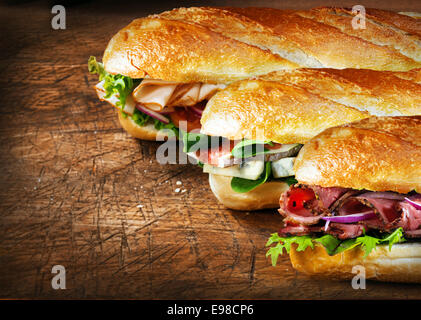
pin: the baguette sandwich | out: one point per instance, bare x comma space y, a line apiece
161, 70
269, 118
357, 202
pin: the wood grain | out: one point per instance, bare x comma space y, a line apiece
72, 179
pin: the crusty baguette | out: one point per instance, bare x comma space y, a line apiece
401, 264
220, 45
326, 35
180, 51
381, 93
415, 15
293, 106
264, 196
270, 110
290, 93
381, 29
377, 154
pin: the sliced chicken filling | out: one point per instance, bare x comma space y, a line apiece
159, 98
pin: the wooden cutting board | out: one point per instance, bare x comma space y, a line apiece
77, 191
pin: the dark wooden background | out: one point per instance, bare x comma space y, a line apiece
71, 181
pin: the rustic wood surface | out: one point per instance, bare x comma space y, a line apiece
72, 180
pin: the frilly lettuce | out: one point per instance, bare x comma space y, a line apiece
330, 243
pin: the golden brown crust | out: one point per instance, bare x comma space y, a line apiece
401, 264
292, 106
377, 32
411, 14
220, 45
180, 51
382, 93
147, 132
377, 154
318, 32
407, 22
264, 196
270, 110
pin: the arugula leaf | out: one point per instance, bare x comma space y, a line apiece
241, 185
395, 237
332, 245
118, 85
274, 237
274, 252
248, 148
367, 243
303, 243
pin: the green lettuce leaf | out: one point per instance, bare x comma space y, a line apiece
395, 237
118, 85
303, 243
170, 126
241, 185
367, 243
330, 243
122, 86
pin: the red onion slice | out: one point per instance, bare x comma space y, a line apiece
197, 111
382, 195
153, 114
350, 218
416, 205
326, 225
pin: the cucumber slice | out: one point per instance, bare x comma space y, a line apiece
249, 170
283, 167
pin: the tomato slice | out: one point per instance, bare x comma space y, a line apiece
187, 116
212, 155
297, 198
274, 146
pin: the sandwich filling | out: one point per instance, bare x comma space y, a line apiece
341, 219
179, 107
250, 163
163, 103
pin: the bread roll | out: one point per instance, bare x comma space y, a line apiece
390, 41
221, 45
401, 264
377, 154
296, 97
270, 110
293, 106
264, 196
381, 93
181, 51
